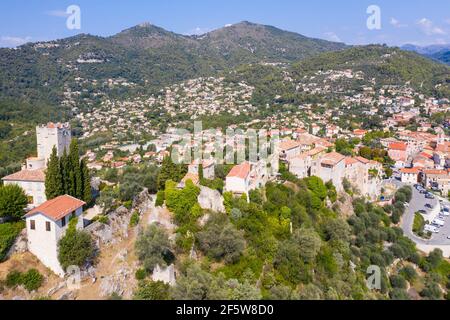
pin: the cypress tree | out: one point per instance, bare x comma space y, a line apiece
87, 191
65, 170
53, 178
76, 174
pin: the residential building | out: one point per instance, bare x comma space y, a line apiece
47, 224
410, 175
32, 182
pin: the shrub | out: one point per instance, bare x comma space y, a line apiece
134, 220
398, 281
409, 273
75, 248
150, 290
160, 198
32, 280
8, 234
140, 274
13, 279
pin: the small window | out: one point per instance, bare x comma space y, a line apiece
47, 226
32, 225
63, 222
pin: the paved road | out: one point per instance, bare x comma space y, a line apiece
417, 203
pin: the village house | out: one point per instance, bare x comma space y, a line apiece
289, 149
365, 175
436, 180
331, 167
47, 224
207, 166
238, 180
410, 175
397, 151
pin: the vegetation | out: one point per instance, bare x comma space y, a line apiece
13, 202
8, 234
31, 280
75, 247
153, 248
68, 175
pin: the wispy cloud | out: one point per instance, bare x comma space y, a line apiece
57, 13
12, 42
395, 23
198, 31
332, 36
427, 26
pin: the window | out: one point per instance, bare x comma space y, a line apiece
47, 226
32, 225
63, 222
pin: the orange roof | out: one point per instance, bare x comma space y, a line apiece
57, 208
410, 170
27, 175
240, 171
434, 171
363, 160
359, 132
398, 146
193, 177
288, 145
332, 158
350, 161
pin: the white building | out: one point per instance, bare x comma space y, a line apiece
410, 175
207, 166
32, 182
238, 180
331, 167
47, 224
52, 135
32, 176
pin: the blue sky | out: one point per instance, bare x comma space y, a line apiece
403, 21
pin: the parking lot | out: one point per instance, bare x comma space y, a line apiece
419, 202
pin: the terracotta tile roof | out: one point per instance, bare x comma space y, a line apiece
190, 176
57, 208
410, 170
332, 158
436, 172
349, 161
240, 171
398, 146
363, 160
316, 151
27, 175
288, 145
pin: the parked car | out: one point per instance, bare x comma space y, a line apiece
445, 214
429, 206
429, 196
438, 222
430, 228
422, 212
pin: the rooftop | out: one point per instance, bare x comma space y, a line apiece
57, 208
332, 158
240, 171
37, 175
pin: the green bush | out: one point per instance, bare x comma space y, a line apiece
140, 274
75, 248
8, 234
13, 279
134, 220
149, 290
419, 224
160, 198
31, 280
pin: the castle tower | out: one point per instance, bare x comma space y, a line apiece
50, 135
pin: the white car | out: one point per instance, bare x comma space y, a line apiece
430, 228
438, 222
445, 214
